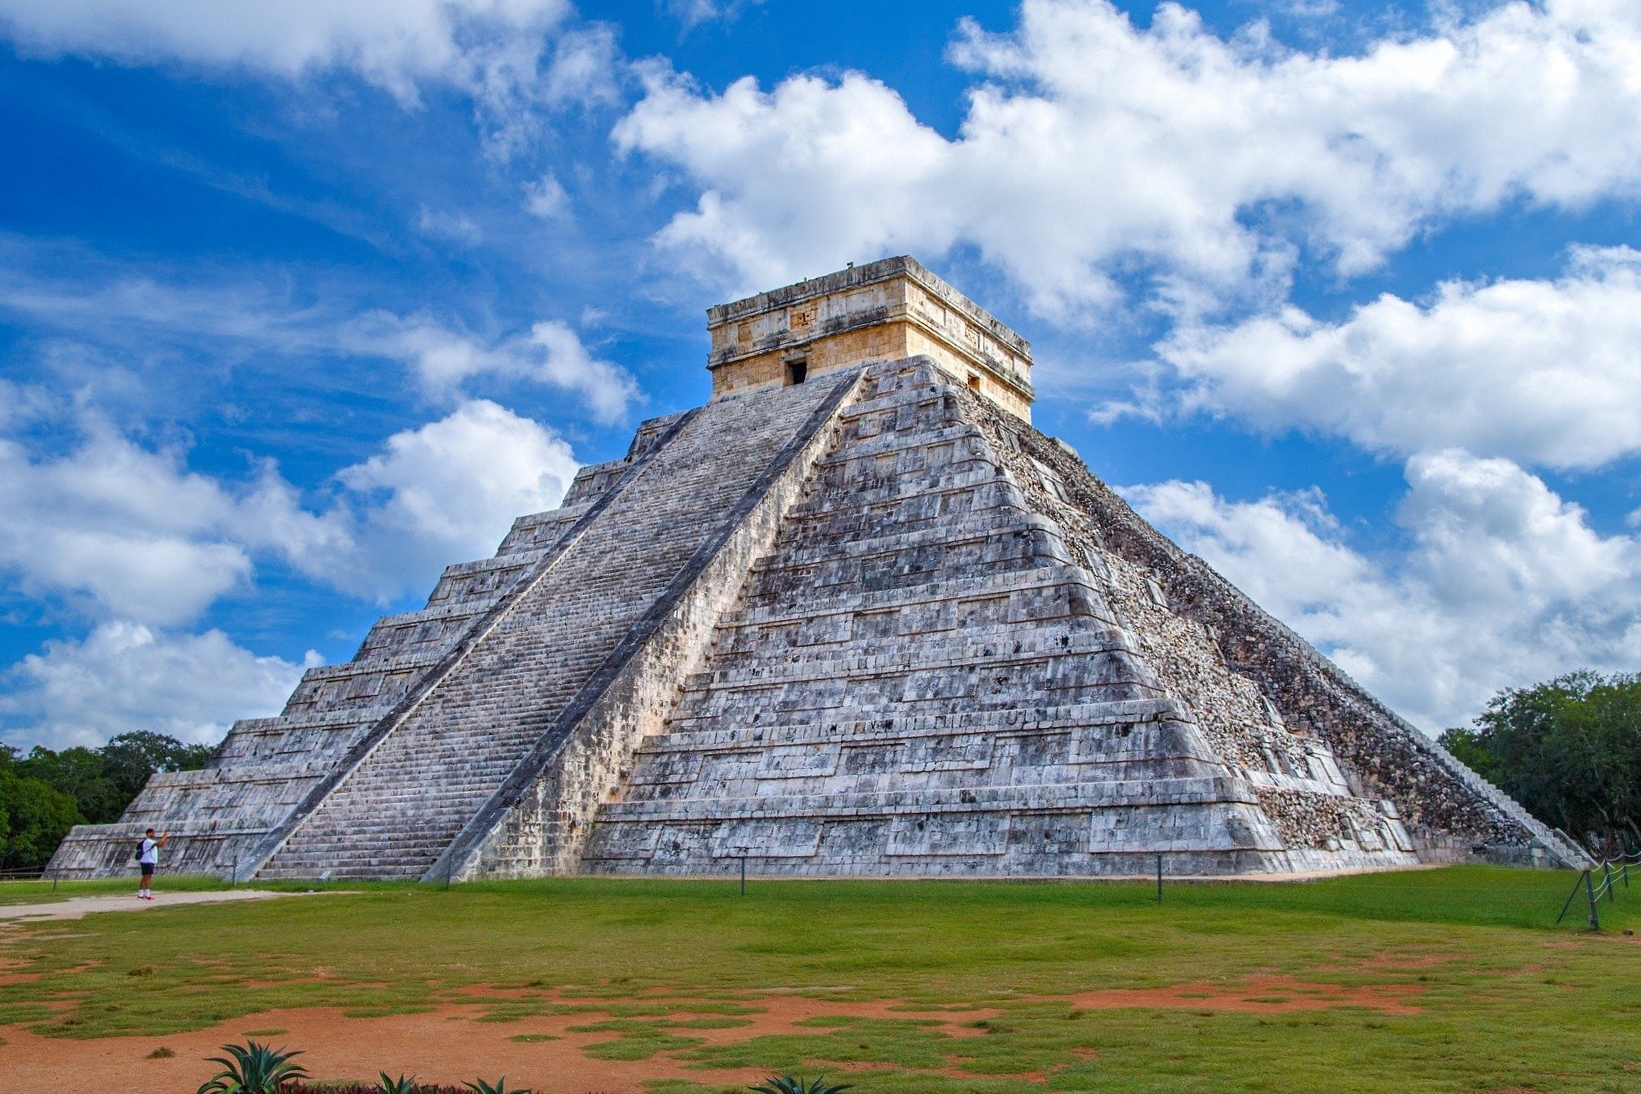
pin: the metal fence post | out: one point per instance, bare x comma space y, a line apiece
1589, 888
743, 875
1570, 898
1159, 877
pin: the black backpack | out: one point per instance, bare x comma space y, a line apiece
136, 856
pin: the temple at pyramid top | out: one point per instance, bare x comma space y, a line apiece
884, 311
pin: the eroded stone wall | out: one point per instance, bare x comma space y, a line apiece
1448, 810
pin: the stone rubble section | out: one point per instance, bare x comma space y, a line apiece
1447, 811
268, 767
403, 805
1305, 794
923, 679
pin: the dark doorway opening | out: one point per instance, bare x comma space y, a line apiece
796, 372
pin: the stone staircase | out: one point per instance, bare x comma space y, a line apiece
222, 817
404, 804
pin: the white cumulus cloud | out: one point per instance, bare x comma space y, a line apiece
444, 359
129, 533
143, 546
127, 528
1093, 147
546, 198
125, 677
798, 180
394, 44
1542, 371
445, 492
1505, 582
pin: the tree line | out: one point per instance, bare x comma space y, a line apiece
44, 793
1569, 750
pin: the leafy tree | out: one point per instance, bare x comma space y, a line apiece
130, 758
34, 818
103, 781
1467, 745
79, 773
44, 794
1569, 750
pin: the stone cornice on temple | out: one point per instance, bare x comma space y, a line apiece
886, 310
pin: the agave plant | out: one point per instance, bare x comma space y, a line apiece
786, 1084
479, 1086
252, 1068
401, 1085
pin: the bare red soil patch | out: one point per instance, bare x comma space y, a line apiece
451, 1045
446, 1045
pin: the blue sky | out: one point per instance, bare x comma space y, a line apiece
301, 301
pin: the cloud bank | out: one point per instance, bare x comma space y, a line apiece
1543, 372
1093, 149
394, 44
129, 537
125, 677
1505, 582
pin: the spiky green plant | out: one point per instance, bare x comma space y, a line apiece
479, 1086
401, 1085
252, 1068
786, 1084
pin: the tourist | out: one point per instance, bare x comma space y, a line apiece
148, 857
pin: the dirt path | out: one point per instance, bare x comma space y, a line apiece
77, 906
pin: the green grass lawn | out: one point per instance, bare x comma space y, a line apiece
1505, 1000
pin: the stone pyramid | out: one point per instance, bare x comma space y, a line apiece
853, 617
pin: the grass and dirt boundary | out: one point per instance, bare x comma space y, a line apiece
1439, 980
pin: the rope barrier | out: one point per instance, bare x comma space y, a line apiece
1613, 871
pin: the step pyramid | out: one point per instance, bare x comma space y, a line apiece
852, 617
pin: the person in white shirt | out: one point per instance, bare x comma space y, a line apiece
148, 857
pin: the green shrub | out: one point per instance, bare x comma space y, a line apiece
479, 1086
786, 1084
252, 1068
